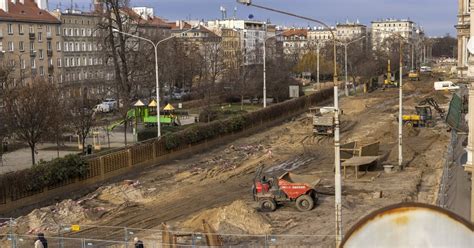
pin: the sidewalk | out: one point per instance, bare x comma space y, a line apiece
21, 159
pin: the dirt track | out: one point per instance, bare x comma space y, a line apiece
177, 191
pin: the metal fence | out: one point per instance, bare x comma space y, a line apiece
447, 172
90, 236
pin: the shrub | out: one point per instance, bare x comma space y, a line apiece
45, 174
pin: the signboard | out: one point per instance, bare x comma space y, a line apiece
75, 228
294, 91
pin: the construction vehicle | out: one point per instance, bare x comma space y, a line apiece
323, 121
389, 79
269, 191
424, 115
414, 75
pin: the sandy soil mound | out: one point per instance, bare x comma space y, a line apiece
119, 194
232, 218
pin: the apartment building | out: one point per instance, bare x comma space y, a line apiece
350, 31
295, 41
383, 29
321, 34
463, 28
85, 71
252, 35
28, 35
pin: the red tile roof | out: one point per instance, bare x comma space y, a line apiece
27, 12
298, 32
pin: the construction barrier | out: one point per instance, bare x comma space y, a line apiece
131, 159
82, 236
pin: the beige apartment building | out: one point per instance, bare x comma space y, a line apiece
28, 34
463, 28
84, 69
350, 31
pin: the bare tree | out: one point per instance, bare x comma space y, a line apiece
120, 48
82, 118
31, 111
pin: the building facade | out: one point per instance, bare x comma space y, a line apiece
295, 41
84, 69
321, 34
350, 31
28, 35
463, 33
252, 36
384, 29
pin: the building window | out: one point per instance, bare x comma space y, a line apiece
21, 46
65, 32
40, 36
20, 29
59, 62
32, 46
78, 61
70, 32
66, 62
10, 46
77, 47
58, 46
49, 46
84, 61
41, 70
10, 28
84, 48
33, 63
71, 46
90, 47
41, 55
83, 32
22, 64
50, 62
32, 29
58, 30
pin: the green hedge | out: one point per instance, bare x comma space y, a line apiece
202, 132
45, 174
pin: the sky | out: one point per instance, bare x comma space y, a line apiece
437, 17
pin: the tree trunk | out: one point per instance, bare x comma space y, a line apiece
241, 102
33, 155
125, 125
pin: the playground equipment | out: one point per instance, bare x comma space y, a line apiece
146, 114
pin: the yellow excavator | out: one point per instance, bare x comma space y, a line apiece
424, 115
388, 82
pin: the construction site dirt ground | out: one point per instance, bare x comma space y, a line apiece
216, 185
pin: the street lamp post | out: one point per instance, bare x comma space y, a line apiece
337, 161
346, 89
157, 78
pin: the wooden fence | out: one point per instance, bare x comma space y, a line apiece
132, 158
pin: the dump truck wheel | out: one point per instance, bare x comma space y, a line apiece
304, 203
267, 205
409, 124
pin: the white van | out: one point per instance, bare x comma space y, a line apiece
445, 85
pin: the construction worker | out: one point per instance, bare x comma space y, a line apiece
41, 242
138, 243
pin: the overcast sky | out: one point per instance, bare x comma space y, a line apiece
438, 17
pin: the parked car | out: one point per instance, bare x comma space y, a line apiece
112, 103
426, 69
445, 85
102, 108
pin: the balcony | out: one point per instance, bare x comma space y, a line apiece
32, 36
49, 36
50, 69
32, 53
49, 53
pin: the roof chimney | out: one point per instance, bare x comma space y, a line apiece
4, 5
42, 4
